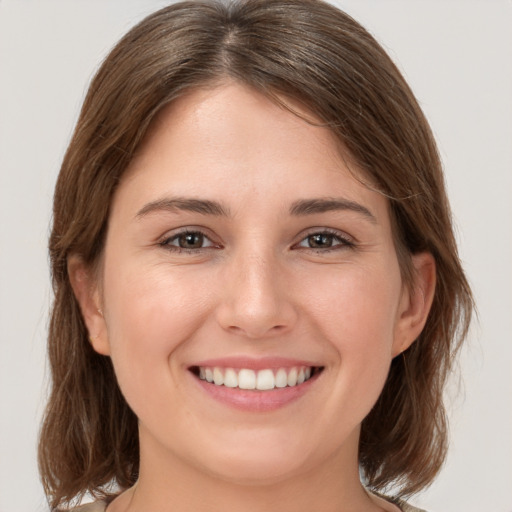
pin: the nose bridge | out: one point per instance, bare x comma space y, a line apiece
256, 302
259, 282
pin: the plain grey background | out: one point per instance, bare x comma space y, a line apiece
456, 55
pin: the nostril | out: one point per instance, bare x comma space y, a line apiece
256, 332
254, 311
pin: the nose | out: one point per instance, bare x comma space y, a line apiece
256, 298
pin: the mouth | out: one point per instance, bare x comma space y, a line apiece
255, 384
265, 379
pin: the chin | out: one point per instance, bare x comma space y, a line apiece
258, 461
250, 472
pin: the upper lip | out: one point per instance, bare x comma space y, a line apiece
253, 363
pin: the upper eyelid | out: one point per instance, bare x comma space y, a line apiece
177, 235
174, 233
165, 244
329, 231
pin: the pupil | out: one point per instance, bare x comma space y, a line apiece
191, 241
320, 240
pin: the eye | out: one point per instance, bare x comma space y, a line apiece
325, 240
188, 240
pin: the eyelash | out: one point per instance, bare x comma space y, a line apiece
166, 242
343, 242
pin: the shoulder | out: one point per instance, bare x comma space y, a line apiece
405, 507
100, 506
402, 505
96, 506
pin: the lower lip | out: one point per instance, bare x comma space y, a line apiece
255, 400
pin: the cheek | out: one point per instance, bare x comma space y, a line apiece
356, 307
356, 314
149, 315
153, 298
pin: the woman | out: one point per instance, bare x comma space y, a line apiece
257, 289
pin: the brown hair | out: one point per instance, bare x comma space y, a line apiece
308, 51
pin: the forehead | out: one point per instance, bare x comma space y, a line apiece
237, 141
234, 111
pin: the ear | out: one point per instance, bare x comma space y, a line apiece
415, 302
86, 289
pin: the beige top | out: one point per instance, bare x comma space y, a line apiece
101, 506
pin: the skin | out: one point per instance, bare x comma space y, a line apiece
256, 288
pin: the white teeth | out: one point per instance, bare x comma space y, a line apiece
247, 379
230, 378
265, 380
218, 378
261, 380
292, 377
281, 378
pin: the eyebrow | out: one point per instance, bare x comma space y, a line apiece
202, 206
329, 204
300, 208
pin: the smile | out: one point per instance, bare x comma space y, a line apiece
261, 380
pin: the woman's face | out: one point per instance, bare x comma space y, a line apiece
240, 248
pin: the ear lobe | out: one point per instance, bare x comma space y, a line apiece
416, 302
85, 288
